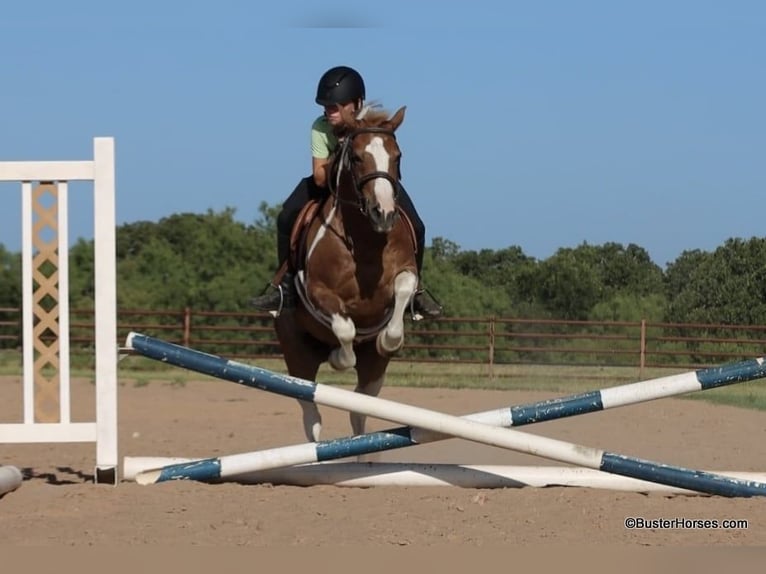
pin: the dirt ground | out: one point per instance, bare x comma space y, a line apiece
58, 504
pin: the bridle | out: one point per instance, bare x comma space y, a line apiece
344, 161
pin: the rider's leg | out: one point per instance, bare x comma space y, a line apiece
282, 294
423, 302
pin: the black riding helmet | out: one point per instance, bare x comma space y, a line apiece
340, 85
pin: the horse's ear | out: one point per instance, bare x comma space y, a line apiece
397, 118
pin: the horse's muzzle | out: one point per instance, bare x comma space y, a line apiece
382, 222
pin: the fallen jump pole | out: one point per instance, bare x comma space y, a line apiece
10, 479
588, 457
225, 466
371, 474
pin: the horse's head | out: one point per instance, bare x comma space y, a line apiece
371, 156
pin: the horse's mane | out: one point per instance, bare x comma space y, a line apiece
373, 116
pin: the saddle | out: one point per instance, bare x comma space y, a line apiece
307, 214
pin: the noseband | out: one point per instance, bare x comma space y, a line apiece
344, 160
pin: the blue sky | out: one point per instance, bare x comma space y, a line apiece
538, 124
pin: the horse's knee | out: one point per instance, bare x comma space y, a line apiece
387, 343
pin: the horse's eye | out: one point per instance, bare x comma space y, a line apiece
355, 158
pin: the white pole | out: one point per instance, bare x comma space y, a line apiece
10, 479
27, 285
105, 254
370, 474
321, 394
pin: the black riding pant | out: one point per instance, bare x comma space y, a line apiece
307, 189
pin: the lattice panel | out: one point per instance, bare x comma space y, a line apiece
45, 277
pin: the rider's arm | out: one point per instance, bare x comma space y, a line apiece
319, 170
322, 143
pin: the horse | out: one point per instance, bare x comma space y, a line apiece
356, 274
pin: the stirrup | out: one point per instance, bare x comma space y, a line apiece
284, 295
427, 306
275, 301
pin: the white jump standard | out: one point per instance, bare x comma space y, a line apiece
47, 398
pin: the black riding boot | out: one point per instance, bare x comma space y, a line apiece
277, 297
424, 305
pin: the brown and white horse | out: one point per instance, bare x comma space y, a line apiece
357, 274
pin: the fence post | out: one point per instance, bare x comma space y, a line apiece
642, 353
187, 326
491, 347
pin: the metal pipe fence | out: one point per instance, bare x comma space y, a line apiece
490, 341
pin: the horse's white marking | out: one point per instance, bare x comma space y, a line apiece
322, 230
312, 420
391, 338
345, 330
384, 191
343, 327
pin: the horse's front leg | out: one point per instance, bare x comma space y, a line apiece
303, 360
371, 374
312, 420
391, 339
343, 357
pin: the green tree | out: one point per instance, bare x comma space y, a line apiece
443, 249
571, 282
568, 285
726, 286
625, 269
207, 261
493, 267
630, 307
10, 278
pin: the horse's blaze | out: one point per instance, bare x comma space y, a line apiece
384, 191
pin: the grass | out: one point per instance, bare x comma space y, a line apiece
750, 395
562, 380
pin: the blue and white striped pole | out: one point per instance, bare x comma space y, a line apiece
439, 423
369, 474
323, 451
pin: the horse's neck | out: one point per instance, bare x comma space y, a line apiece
347, 217
347, 201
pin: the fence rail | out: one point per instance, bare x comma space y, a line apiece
490, 341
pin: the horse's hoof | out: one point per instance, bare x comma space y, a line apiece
383, 350
336, 363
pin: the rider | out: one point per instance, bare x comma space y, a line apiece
340, 88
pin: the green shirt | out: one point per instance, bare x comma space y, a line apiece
323, 140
